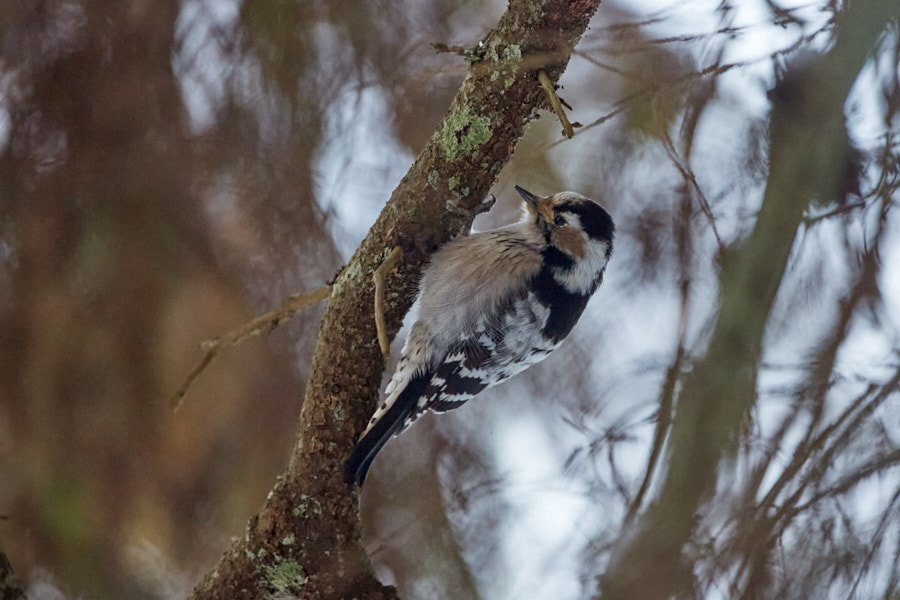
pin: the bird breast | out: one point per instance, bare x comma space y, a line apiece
471, 276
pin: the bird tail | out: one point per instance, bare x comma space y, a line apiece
401, 410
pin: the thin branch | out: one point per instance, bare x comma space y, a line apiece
266, 322
440, 47
613, 69
713, 70
823, 367
840, 210
875, 466
667, 395
687, 173
568, 130
663, 422
806, 449
621, 106
378, 276
840, 441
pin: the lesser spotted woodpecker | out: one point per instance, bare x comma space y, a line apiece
492, 304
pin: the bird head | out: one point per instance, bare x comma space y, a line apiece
574, 225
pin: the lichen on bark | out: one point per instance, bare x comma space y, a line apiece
463, 131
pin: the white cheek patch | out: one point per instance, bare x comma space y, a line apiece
582, 278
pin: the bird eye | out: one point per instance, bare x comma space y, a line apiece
560, 220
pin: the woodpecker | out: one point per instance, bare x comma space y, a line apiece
492, 304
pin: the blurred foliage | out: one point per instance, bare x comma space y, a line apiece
170, 169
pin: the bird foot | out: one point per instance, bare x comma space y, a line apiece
465, 206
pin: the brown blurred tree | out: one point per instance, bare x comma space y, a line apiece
111, 269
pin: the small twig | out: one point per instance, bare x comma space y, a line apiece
266, 322
441, 48
378, 277
812, 220
687, 174
568, 130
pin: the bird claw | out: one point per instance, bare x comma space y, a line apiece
483, 206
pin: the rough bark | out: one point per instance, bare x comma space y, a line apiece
807, 160
305, 542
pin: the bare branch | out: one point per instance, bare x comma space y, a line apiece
440, 47
378, 278
568, 131
263, 323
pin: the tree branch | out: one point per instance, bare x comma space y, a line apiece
256, 326
378, 278
568, 131
306, 540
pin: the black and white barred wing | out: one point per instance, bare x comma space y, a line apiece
416, 387
500, 345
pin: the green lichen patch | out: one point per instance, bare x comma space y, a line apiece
507, 60
352, 273
308, 506
455, 185
433, 178
474, 55
512, 52
463, 132
286, 577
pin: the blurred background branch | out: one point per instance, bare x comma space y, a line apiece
807, 155
263, 323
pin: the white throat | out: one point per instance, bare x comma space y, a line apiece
582, 277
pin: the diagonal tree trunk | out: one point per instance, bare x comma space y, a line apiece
305, 542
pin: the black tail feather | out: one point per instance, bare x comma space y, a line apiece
357, 466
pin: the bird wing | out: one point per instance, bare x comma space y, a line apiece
502, 343
444, 387
459, 377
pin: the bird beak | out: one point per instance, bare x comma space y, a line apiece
535, 204
529, 198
